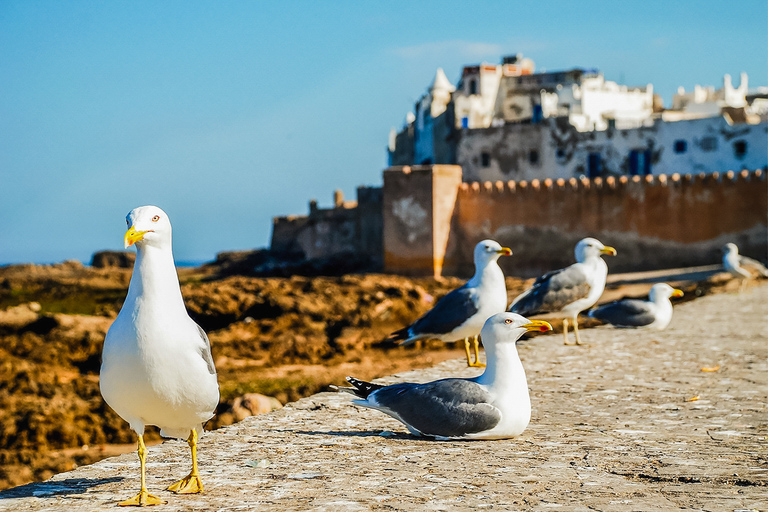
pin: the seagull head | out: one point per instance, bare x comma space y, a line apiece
508, 327
489, 250
148, 225
730, 248
663, 291
591, 247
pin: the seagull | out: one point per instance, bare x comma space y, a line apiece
741, 267
156, 365
570, 290
655, 313
494, 405
463, 311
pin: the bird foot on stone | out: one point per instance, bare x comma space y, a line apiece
190, 484
143, 499
476, 364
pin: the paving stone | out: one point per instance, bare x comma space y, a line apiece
614, 427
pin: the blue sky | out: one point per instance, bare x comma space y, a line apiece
226, 114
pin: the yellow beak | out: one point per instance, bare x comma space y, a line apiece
505, 251
608, 250
132, 236
538, 325
677, 293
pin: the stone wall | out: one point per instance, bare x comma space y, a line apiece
418, 206
432, 220
346, 228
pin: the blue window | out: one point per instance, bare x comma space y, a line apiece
594, 165
640, 162
681, 146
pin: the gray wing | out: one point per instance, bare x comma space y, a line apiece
755, 265
205, 351
552, 292
450, 312
625, 313
445, 408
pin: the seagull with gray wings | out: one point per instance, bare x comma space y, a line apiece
570, 290
741, 267
654, 313
156, 365
494, 405
462, 312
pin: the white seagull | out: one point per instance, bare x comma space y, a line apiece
654, 313
741, 267
570, 290
495, 405
156, 365
463, 311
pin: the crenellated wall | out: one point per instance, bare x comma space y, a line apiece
654, 221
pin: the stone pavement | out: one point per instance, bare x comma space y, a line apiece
614, 427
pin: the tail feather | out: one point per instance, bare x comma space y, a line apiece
360, 388
401, 337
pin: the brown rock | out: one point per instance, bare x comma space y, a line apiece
107, 259
252, 404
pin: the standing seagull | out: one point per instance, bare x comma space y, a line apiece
570, 290
156, 365
655, 313
741, 267
462, 312
495, 405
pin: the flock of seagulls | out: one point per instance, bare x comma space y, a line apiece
157, 367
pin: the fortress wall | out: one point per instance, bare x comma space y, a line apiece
418, 205
654, 221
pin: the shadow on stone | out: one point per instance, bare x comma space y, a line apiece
360, 433
56, 488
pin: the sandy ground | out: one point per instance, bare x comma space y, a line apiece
629, 422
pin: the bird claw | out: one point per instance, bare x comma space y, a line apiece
190, 484
143, 499
476, 364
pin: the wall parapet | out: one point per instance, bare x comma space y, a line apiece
676, 212
612, 182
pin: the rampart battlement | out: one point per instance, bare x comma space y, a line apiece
615, 183
656, 221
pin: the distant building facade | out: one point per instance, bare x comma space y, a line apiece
506, 122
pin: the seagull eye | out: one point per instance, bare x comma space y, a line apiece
155, 218
507, 321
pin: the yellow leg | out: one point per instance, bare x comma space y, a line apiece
576, 330
143, 498
466, 349
565, 332
191, 483
477, 363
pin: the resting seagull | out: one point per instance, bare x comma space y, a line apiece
654, 313
156, 365
463, 311
741, 267
495, 405
570, 290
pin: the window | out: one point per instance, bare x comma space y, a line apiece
681, 146
485, 160
594, 165
640, 162
740, 149
472, 87
708, 144
533, 157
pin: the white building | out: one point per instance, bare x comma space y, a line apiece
708, 102
507, 122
